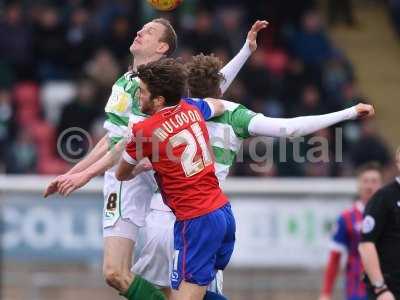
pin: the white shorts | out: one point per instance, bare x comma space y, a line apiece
155, 251
128, 201
122, 228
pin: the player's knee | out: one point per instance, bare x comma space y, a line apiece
117, 278
112, 275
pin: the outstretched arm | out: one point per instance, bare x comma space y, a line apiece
97, 153
72, 182
295, 127
232, 68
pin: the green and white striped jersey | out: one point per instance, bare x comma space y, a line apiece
123, 107
227, 133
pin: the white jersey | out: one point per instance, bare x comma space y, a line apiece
126, 200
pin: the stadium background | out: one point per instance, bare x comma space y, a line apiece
58, 61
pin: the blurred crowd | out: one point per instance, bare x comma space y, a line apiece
59, 59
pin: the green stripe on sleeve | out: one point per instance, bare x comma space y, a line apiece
114, 141
117, 120
238, 119
224, 156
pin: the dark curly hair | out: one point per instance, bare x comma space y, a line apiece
165, 77
204, 77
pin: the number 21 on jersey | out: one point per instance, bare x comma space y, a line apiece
189, 165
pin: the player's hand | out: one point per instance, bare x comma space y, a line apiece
386, 296
72, 182
324, 297
143, 166
364, 111
52, 187
252, 34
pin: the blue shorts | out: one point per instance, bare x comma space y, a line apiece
202, 246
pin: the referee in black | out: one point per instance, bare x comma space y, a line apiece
380, 242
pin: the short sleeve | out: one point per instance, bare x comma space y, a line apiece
240, 120
374, 218
202, 105
340, 239
139, 145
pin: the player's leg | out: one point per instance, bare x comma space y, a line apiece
189, 291
118, 254
155, 257
117, 261
216, 286
225, 252
120, 235
196, 243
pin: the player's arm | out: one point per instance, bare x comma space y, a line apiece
72, 182
330, 275
370, 261
134, 159
209, 107
338, 245
372, 229
232, 68
261, 125
97, 153
128, 168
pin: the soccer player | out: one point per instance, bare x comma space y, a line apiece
122, 218
205, 80
347, 236
175, 139
117, 262
380, 241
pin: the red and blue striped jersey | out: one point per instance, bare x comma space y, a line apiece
345, 239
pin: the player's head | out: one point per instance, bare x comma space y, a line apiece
397, 158
204, 77
155, 37
369, 178
162, 83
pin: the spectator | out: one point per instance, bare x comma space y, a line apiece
256, 76
50, 46
336, 75
370, 147
120, 37
203, 38
310, 102
80, 42
16, 42
103, 68
6, 123
394, 9
22, 155
82, 111
341, 10
311, 43
231, 19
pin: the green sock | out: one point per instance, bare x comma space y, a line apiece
141, 289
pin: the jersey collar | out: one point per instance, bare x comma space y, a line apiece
398, 179
169, 107
359, 205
